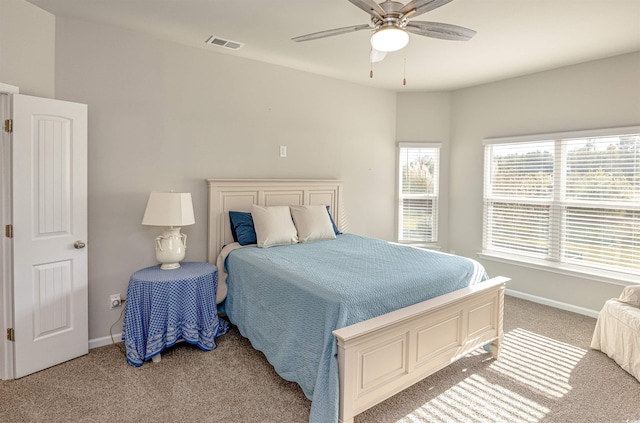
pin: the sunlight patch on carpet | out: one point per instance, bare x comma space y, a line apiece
476, 399
542, 364
534, 362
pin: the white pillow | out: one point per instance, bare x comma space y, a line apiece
312, 223
273, 226
631, 295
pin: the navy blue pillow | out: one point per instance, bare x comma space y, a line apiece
335, 228
242, 228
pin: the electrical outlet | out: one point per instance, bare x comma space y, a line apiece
115, 301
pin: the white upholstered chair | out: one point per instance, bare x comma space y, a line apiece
617, 331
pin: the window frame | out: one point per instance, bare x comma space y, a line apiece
557, 202
435, 196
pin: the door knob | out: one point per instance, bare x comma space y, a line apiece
79, 244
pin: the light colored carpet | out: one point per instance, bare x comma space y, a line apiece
547, 374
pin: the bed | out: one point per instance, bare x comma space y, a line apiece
360, 352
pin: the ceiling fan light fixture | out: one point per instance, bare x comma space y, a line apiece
389, 38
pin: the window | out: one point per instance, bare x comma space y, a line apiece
418, 168
572, 198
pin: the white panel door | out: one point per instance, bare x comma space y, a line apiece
49, 179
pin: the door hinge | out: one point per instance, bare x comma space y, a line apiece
8, 125
11, 335
8, 231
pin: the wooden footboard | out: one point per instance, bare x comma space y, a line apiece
382, 356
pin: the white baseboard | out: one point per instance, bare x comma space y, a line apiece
105, 340
553, 303
117, 337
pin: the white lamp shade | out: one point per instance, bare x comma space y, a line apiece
389, 38
169, 209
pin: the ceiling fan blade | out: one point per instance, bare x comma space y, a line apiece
332, 32
440, 30
418, 7
371, 7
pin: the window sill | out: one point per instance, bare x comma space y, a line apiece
599, 275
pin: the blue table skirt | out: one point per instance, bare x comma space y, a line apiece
164, 306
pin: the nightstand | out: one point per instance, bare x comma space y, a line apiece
165, 306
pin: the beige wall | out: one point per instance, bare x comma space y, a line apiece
164, 116
598, 94
27, 48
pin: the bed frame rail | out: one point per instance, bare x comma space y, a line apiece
384, 355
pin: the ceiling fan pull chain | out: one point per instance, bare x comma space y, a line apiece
404, 76
371, 63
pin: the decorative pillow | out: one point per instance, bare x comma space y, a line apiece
312, 222
273, 226
631, 295
335, 228
242, 227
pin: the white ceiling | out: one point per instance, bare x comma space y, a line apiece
514, 37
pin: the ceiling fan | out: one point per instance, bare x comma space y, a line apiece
391, 25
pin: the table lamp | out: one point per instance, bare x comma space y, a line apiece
171, 210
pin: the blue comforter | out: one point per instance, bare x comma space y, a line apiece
287, 300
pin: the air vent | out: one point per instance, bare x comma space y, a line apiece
221, 42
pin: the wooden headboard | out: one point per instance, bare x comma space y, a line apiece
240, 194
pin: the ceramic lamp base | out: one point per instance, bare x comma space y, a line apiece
171, 247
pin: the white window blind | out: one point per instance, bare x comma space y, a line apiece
419, 167
569, 200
